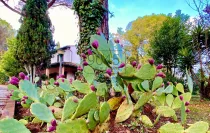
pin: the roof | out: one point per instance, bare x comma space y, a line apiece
66, 47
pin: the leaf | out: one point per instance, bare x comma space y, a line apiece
42, 112
81, 87
10, 125
89, 74
157, 83
69, 108
92, 122
104, 112
124, 112
101, 89
128, 71
169, 89
96, 63
171, 128
88, 102
165, 111
66, 87
146, 120
189, 82
11, 87
169, 99
177, 102
49, 98
145, 97
147, 71
29, 89
183, 114
114, 102
57, 104
160, 91
162, 99
180, 87
73, 126
145, 85
52, 81
198, 127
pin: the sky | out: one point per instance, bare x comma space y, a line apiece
125, 11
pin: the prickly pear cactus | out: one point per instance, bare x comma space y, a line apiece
30, 90
9, 125
145, 97
69, 107
92, 123
89, 74
42, 112
81, 87
88, 102
147, 71
104, 112
124, 112
73, 126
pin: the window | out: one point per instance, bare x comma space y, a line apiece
58, 58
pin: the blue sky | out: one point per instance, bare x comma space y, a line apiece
65, 22
128, 10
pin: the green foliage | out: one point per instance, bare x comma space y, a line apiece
89, 74
171, 128
34, 38
12, 126
3, 78
201, 127
147, 71
87, 103
144, 98
42, 112
92, 122
73, 126
88, 21
146, 121
104, 112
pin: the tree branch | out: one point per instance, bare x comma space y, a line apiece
51, 3
23, 1
16, 11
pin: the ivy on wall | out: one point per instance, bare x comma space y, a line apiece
90, 13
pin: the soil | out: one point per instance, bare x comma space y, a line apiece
24, 113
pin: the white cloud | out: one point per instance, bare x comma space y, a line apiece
64, 21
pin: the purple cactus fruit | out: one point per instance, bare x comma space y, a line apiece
89, 51
98, 33
85, 63
117, 41
56, 83
22, 75
26, 78
151, 61
10, 94
95, 44
181, 98
62, 76
124, 97
62, 80
134, 63
23, 102
14, 82
139, 66
25, 97
168, 83
79, 68
187, 103
53, 111
15, 79
121, 65
92, 87
18, 103
54, 123
159, 66
83, 56
187, 110
75, 100
70, 80
51, 128
161, 74
109, 71
162, 85
106, 75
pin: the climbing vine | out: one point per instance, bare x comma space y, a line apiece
90, 13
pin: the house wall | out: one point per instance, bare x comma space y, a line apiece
70, 55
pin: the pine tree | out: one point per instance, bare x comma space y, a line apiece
34, 39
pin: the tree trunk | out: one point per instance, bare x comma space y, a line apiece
105, 24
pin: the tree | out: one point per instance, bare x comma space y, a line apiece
167, 41
17, 7
141, 33
34, 38
5, 32
9, 65
183, 17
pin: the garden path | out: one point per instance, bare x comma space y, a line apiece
6, 105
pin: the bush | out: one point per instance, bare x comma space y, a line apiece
3, 78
